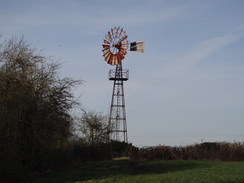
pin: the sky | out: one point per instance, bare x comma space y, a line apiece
188, 86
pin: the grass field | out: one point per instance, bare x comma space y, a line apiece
160, 171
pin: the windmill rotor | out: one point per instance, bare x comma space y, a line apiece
115, 46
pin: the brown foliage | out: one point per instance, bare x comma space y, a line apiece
217, 151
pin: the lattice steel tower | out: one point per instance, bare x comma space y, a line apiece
115, 47
117, 115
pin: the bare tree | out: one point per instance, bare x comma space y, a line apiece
93, 127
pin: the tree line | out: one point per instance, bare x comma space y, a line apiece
214, 151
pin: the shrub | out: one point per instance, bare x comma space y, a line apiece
217, 151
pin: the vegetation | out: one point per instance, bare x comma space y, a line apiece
34, 110
217, 151
93, 128
178, 171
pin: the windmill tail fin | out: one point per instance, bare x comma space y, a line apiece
138, 46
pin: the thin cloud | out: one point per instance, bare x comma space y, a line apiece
143, 16
84, 17
197, 54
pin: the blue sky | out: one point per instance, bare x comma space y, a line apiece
188, 86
